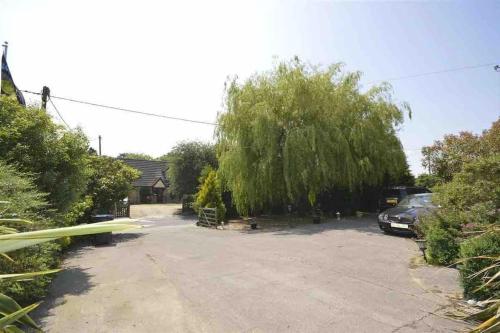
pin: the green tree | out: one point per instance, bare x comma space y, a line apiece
185, 163
57, 158
210, 193
426, 180
136, 156
110, 181
299, 130
446, 157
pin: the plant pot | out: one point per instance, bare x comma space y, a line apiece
316, 219
253, 225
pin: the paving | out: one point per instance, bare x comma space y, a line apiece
171, 276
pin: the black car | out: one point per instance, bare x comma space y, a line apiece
406, 214
392, 195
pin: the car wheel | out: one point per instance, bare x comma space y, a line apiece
386, 231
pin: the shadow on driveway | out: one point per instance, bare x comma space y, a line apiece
71, 281
367, 225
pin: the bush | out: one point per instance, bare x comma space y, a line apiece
487, 244
25, 202
187, 203
56, 158
210, 194
80, 212
32, 259
110, 181
441, 232
442, 247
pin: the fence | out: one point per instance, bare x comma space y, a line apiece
122, 210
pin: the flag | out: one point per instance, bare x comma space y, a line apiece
8, 87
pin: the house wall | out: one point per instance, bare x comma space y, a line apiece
134, 196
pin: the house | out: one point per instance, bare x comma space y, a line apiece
152, 186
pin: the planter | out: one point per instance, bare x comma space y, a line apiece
316, 219
252, 223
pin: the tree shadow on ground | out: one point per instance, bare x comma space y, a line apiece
367, 225
70, 281
126, 237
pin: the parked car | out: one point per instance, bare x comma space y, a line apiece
392, 195
406, 214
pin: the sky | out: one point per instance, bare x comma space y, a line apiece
173, 57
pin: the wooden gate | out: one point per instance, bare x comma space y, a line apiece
208, 218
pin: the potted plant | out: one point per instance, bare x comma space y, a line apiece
252, 223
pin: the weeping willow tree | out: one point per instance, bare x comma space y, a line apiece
298, 130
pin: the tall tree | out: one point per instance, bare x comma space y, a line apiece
57, 158
446, 157
185, 163
110, 181
298, 130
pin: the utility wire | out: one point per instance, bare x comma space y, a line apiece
125, 110
456, 69
59, 113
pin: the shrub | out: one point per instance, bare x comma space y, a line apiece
80, 212
57, 158
441, 232
210, 194
110, 181
32, 259
26, 202
487, 244
442, 247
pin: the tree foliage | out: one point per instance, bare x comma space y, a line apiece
210, 193
57, 158
136, 156
446, 157
25, 201
470, 203
185, 163
426, 180
110, 181
298, 130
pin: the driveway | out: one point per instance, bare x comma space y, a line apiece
172, 276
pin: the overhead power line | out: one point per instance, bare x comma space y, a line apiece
126, 110
59, 113
456, 69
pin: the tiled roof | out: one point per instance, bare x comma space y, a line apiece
150, 171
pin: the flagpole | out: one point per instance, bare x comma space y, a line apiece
5, 46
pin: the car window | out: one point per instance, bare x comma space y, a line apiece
391, 193
417, 201
413, 190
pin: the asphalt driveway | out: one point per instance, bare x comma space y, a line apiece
172, 276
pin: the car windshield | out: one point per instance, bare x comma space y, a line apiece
391, 193
417, 201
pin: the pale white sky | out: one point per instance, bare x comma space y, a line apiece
172, 57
